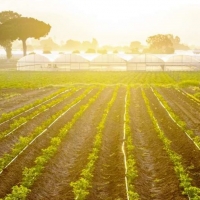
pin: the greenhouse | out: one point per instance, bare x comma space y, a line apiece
182, 63
108, 62
33, 62
145, 62
71, 62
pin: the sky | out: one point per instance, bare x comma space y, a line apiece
113, 22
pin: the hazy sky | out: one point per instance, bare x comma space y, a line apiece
116, 22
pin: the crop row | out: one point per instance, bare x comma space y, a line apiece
127, 148
43, 79
10, 115
24, 142
177, 120
82, 185
32, 173
185, 181
23, 120
192, 97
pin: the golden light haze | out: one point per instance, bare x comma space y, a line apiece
115, 22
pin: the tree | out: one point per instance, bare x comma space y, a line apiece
160, 44
6, 15
135, 46
176, 42
73, 45
86, 45
7, 44
49, 44
94, 44
23, 28
102, 51
90, 51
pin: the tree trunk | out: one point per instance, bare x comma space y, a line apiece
24, 46
8, 49
7, 45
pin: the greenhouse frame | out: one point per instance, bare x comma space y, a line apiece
109, 62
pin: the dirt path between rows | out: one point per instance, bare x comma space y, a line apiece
109, 174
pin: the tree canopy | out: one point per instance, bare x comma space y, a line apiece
6, 15
7, 44
23, 28
160, 44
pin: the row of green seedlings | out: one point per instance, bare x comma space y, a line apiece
23, 120
29, 175
182, 124
127, 148
11, 115
24, 142
84, 183
185, 181
192, 97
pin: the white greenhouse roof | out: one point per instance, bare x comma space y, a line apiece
182, 58
109, 62
145, 58
68, 58
108, 58
33, 58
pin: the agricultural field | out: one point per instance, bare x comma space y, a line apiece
100, 135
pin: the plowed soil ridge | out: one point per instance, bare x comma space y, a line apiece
9, 177
156, 176
185, 108
26, 97
180, 142
8, 142
66, 166
109, 173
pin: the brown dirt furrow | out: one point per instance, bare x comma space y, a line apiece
109, 173
26, 97
156, 177
181, 144
12, 175
7, 143
66, 166
184, 107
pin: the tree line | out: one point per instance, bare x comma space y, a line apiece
15, 27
